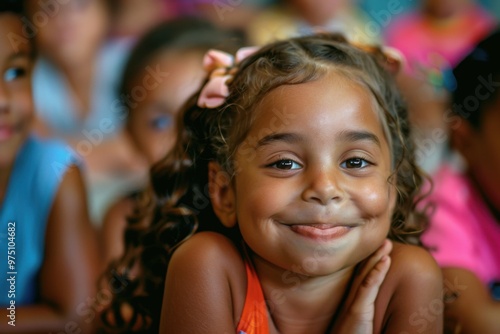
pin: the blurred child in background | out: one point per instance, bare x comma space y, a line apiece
132, 18
433, 38
304, 17
43, 212
465, 229
233, 15
177, 47
439, 33
75, 81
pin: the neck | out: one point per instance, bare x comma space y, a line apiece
298, 302
80, 78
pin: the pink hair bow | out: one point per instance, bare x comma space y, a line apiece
217, 64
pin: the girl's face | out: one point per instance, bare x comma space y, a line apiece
72, 31
16, 109
311, 188
151, 122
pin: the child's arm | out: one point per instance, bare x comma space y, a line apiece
68, 276
471, 308
205, 275
411, 297
112, 234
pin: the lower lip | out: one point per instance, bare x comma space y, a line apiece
321, 232
5, 133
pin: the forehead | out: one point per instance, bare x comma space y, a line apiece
178, 63
182, 71
12, 38
334, 101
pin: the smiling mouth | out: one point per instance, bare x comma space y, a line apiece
320, 232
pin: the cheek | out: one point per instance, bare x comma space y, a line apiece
259, 200
22, 105
157, 145
136, 126
254, 198
376, 203
375, 199
254, 211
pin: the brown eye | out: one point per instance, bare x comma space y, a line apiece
285, 164
355, 163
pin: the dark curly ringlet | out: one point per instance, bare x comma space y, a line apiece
147, 241
178, 203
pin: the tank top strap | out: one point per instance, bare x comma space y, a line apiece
254, 319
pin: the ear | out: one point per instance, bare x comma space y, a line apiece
221, 194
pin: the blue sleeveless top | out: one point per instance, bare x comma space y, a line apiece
35, 178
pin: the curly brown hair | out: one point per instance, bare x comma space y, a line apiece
178, 204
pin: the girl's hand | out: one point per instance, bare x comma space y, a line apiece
358, 314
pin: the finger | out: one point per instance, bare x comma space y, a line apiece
367, 265
367, 292
372, 260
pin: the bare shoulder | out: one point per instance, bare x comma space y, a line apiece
412, 289
210, 255
413, 262
206, 275
411, 266
71, 192
209, 249
69, 215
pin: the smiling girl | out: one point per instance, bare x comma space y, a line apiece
295, 164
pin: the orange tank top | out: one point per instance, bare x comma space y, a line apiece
254, 316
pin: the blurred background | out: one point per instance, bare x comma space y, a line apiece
110, 76
84, 107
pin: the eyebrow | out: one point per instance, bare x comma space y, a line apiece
17, 55
293, 138
290, 138
354, 136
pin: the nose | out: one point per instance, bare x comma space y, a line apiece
323, 187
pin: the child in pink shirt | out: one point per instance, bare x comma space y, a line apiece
465, 229
440, 33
